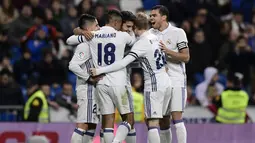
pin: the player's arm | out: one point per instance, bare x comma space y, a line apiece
80, 56
130, 38
115, 66
75, 40
182, 45
136, 51
88, 34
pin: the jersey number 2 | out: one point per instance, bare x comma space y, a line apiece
160, 58
109, 53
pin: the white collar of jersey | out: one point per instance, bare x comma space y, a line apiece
164, 31
107, 27
144, 34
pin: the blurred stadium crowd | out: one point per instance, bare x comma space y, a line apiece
221, 34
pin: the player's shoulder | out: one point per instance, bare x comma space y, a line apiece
152, 36
176, 30
82, 47
123, 33
98, 31
139, 43
153, 31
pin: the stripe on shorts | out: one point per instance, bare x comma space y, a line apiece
130, 100
89, 95
183, 97
184, 74
90, 103
148, 103
79, 39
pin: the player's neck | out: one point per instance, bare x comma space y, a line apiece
163, 26
109, 25
140, 32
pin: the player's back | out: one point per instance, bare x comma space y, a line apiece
108, 46
153, 61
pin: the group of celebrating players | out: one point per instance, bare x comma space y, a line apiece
103, 82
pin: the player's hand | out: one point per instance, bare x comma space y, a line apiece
98, 77
88, 35
77, 31
163, 46
93, 71
95, 79
75, 106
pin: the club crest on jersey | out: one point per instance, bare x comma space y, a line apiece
168, 41
81, 55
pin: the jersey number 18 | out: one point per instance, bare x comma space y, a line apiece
108, 51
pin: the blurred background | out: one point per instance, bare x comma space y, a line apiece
221, 34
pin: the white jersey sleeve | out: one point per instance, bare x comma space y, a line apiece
117, 65
81, 55
133, 39
75, 39
182, 41
130, 39
138, 50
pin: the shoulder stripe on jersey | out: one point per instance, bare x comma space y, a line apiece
79, 39
133, 54
152, 74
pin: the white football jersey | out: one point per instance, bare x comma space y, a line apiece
152, 59
147, 50
175, 39
107, 47
80, 64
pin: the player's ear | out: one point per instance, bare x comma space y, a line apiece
164, 17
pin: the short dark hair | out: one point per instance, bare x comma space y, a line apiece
26, 5
112, 14
47, 51
26, 50
162, 10
85, 18
66, 83
239, 38
128, 16
237, 12
234, 78
5, 71
141, 21
39, 13
32, 81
